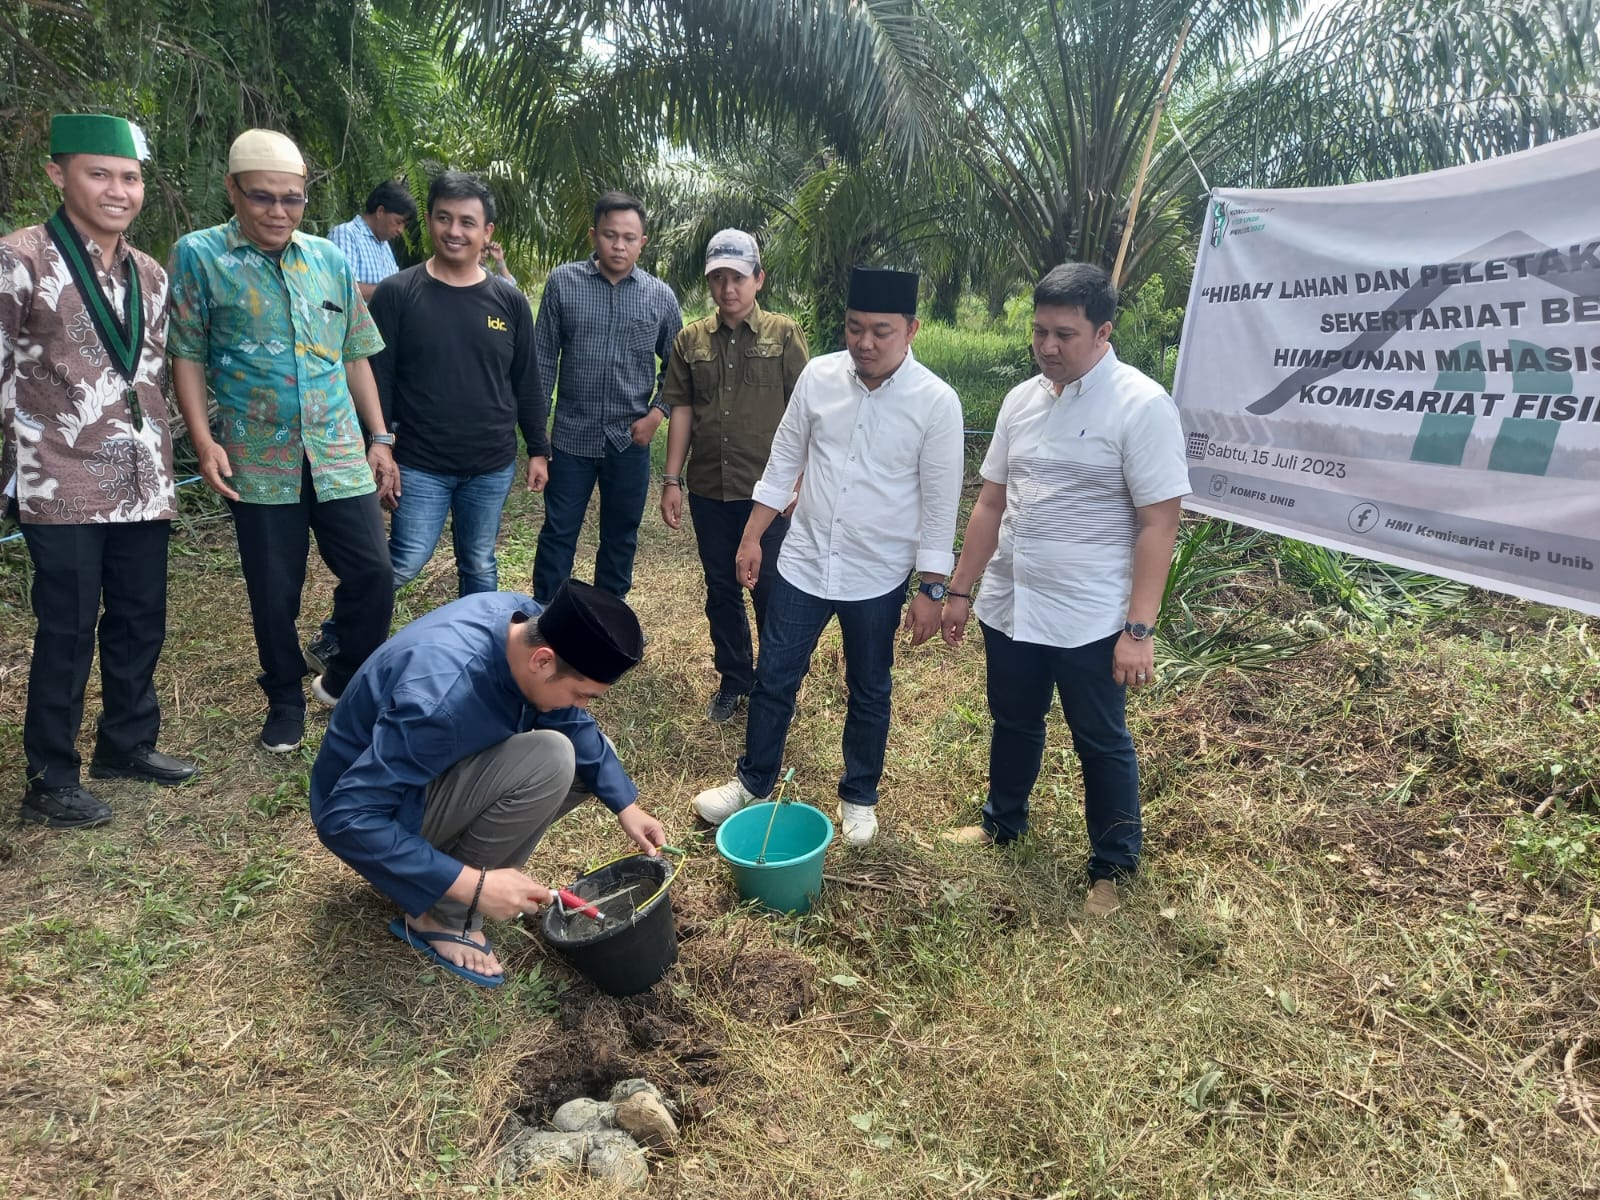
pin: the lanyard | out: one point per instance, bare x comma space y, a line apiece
121, 334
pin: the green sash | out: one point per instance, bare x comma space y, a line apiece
121, 334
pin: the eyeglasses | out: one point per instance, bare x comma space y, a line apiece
268, 200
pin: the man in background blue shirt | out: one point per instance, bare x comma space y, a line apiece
458, 743
364, 239
611, 327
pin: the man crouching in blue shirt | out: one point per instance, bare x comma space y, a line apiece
458, 743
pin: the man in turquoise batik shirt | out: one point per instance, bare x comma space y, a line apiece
272, 319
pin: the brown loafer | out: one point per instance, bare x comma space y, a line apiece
968, 835
1102, 899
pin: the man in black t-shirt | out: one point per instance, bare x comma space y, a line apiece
457, 380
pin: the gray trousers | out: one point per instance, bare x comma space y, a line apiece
491, 808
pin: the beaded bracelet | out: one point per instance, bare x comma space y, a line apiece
466, 926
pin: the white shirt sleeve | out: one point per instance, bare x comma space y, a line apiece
787, 458
994, 460
1153, 465
939, 488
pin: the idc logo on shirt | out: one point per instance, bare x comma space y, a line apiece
497, 324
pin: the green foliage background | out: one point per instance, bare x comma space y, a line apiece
363, 91
979, 141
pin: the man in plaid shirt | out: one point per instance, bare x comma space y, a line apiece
364, 239
611, 327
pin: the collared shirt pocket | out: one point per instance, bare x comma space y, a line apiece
323, 330
642, 337
763, 364
899, 459
704, 372
888, 450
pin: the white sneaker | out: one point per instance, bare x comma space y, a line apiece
717, 804
860, 822
323, 696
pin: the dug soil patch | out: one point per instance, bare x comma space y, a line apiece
670, 1035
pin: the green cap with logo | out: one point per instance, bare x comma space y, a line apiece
97, 133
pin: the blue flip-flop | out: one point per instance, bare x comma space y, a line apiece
422, 940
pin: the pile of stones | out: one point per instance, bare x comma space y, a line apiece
605, 1138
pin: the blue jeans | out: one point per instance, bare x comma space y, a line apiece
1023, 679
795, 621
414, 528
624, 480
474, 502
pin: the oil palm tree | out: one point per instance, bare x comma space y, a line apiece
1045, 103
815, 214
1407, 87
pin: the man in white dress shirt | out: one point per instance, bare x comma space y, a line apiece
1079, 510
873, 439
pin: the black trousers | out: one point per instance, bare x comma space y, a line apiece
274, 542
718, 528
77, 569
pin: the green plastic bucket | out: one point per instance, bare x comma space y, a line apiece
791, 875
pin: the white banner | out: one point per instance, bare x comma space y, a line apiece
1409, 369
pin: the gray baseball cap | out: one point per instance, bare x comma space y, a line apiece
734, 249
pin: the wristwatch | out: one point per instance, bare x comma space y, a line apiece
933, 591
383, 439
1137, 630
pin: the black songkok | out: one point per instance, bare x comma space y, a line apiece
594, 632
874, 290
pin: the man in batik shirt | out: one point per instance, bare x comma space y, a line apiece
87, 467
270, 317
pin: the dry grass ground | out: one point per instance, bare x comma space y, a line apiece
1331, 981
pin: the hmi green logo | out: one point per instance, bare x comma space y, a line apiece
1219, 222
1523, 445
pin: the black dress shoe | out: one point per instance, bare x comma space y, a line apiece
146, 762
73, 807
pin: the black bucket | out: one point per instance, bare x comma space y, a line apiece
634, 941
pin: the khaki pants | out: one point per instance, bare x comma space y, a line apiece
492, 808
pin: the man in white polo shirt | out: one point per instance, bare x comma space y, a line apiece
877, 437
1078, 513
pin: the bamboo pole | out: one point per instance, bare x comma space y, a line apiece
1144, 159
